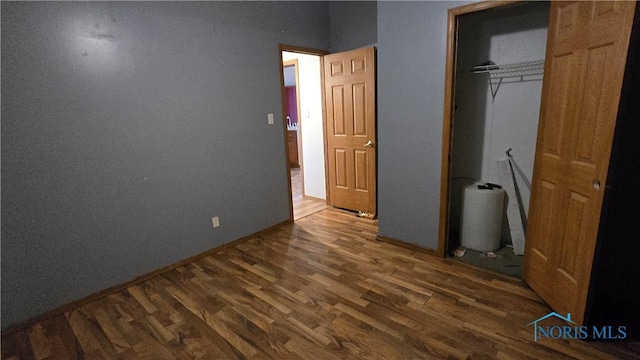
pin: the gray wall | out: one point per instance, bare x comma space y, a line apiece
352, 24
411, 60
126, 127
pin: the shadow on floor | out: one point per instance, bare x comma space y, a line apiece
505, 262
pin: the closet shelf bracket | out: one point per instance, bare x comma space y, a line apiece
494, 92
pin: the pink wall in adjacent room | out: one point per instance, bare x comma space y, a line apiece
292, 104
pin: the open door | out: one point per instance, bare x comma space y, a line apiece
349, 85
585, 61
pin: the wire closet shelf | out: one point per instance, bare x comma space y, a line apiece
514, 70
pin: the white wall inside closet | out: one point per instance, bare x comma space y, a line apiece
485, 127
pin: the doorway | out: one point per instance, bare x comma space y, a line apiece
496, 105
336, 128
584, 69
303, 119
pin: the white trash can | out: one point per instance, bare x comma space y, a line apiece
481, 222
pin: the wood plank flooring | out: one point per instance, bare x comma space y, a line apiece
303, 206
322, 288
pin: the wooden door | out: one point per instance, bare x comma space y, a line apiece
349, 83
586, 54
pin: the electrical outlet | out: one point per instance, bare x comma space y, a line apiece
215, 221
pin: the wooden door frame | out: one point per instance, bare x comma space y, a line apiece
283, 94
449, 95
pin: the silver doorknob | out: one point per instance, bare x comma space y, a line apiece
370, 144
596, 184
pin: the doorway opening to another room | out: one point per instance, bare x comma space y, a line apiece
303, 114
330, 130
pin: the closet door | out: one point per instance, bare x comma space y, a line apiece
586, 53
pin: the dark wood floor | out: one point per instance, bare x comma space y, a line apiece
322, 288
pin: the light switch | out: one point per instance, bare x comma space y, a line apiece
270, 119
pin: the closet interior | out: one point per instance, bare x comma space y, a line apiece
498, 85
